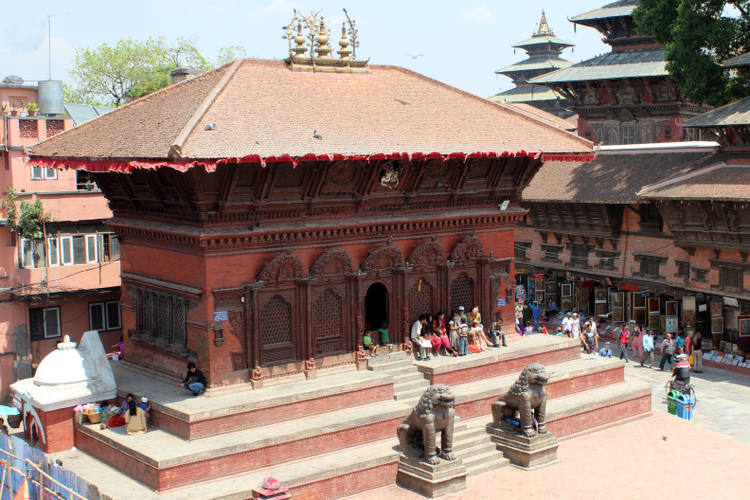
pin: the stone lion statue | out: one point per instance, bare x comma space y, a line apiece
434, 413
526, 400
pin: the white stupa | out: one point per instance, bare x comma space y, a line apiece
69, 376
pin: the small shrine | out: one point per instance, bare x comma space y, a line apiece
66, 377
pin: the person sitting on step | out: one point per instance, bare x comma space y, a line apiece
369, 344
194, 380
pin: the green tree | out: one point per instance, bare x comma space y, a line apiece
130, 68
697, 36
28, 218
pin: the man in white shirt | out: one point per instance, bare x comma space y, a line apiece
567, 324
416, 332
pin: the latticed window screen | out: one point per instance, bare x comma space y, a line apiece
327, 316
55, 127
462, 292
276, 322
162, 316
420, 300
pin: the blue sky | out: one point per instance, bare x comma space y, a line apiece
463, 42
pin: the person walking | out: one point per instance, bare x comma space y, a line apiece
697, 352
637, 343
624, 340
648, 349
668, 347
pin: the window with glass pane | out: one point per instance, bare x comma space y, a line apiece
79, 250
50, 173
36, 173
114, 245
51, 322
113, 315
96, 316
91, 248
53, 252
66, 250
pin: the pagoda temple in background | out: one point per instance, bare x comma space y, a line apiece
543, 50
627, 95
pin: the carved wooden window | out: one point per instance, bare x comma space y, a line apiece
651, 220
628, 133
579, 256
683, 269
606, 260
161, 317
700, 275
520, 250
731, 278
276, 321
327, 316
551, 253
420, 299
462, 292
650, 266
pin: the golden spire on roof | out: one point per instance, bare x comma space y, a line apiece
322, 47
312, 33
544, 28
346, 51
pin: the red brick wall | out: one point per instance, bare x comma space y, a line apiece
58, 429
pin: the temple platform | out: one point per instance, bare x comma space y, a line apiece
338, 431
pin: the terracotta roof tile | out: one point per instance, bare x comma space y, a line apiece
719, 182
611, 178
259, 107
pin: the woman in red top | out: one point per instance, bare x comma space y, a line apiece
624, 341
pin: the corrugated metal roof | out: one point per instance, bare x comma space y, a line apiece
732, 114
616, 9
525, 94
81, 113
612, 66
541, 40
535, 64
737, 62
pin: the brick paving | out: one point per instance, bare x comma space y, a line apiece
644, 458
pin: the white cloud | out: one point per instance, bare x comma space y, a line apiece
481, 13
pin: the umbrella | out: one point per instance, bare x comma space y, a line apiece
8, 411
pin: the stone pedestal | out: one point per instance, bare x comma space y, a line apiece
524, 452
431, 480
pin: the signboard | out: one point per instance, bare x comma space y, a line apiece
671, 326
538, 276
221, 316
501, 302
743, 323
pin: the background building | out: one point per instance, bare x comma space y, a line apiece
68, 281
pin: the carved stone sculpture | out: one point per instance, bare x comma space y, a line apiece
526, 400
434, 413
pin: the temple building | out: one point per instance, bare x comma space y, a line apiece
627, 95
270, 211
543, 50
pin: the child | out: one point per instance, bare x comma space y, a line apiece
605, 351
463, 338
370, 345
453, 326
559, 332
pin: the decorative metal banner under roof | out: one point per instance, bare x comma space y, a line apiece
310, 49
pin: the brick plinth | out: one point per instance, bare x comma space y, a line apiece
58, 429
214, 426
223, 465
600, 416
347, 484
496, 368
482, 406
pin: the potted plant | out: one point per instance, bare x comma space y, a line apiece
14, 111
32, 108
3, 109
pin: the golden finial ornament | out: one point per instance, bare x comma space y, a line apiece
323, 48
346, 51
300, 49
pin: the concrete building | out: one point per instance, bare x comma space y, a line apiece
68, 281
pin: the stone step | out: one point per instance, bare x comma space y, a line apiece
397, 371
331, 475
409, 384
475, 398
471, 437
494, 362
164, 461
412, 395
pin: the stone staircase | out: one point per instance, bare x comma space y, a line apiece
408, 382
471, 442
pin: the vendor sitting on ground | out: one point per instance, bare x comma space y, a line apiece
370, 345
605, 351
118, 420
135, 418
194, 380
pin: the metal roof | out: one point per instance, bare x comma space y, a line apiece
737, 62
526, 93
542, 40
80, 113
733, 114
635, 63
622, 8
535, 64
